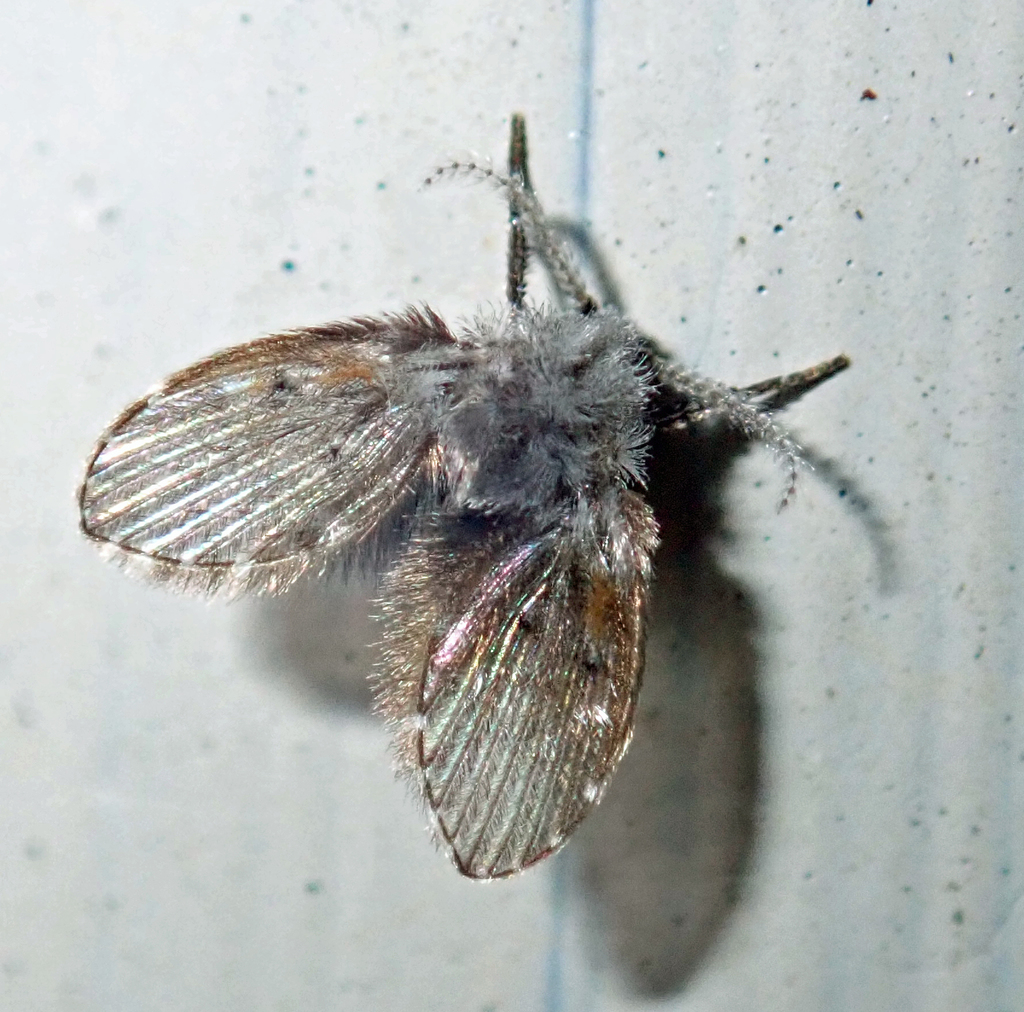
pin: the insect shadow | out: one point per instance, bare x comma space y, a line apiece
661, 862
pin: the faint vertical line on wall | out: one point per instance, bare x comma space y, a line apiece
586, 111
554, 982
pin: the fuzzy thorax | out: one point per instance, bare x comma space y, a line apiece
553, 408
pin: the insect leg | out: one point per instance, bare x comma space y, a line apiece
777, 392
518, 248
530, 229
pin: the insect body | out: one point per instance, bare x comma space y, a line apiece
495, 474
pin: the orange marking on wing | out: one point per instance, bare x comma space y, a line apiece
601, 609
345, 372
339, 375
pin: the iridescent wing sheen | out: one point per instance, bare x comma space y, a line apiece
512, 667
247, 469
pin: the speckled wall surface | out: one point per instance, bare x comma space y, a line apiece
824, 804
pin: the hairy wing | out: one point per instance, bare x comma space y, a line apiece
245, 470
512, 672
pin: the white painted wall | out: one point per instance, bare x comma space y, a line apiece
196, 810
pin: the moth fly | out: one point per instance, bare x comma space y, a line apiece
494, 474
